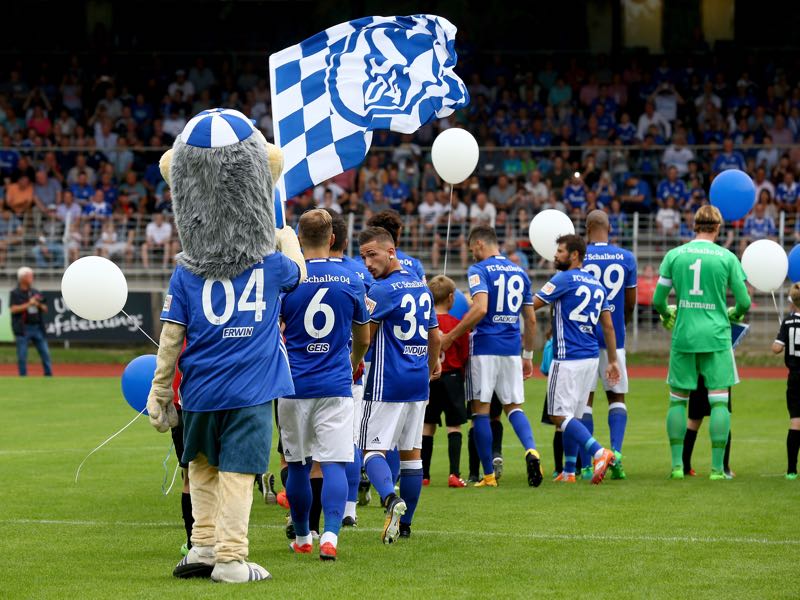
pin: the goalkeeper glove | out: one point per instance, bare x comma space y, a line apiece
668, 318
732, 316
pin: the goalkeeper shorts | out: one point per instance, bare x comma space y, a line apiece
717, 368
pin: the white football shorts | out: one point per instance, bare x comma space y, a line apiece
568, 385
320, 428
622, 384
489, 374
386, 425
358, 409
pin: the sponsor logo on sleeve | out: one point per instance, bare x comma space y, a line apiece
474, 280
548, 288
167, 303
371, 304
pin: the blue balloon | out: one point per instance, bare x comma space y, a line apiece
460, 305
733, 193
137, 379
794, 264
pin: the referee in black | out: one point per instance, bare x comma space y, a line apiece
788, 342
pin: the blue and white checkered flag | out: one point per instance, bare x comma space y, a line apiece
332, 90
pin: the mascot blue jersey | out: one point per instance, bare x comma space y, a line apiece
319, 315
615, 269
234, 355
402, 307
509, 288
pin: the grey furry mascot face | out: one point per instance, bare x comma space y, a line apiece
221, 172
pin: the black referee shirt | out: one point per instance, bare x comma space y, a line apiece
789, 336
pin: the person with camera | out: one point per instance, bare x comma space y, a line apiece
28, 307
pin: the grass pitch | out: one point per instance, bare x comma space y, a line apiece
114, 535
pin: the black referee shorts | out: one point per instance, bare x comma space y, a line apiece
793, 394
447, 396
177, 440
699, 406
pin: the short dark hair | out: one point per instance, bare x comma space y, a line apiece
315, 227
374, 233
484, 233
574, 243
339, 230
389, 220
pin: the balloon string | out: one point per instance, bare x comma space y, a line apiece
140, 329
166, 471
447, 241
775, 302
78, 472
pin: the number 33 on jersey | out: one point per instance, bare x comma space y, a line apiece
234, 353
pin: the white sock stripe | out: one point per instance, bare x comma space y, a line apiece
619, 405
370, 455
511, 412
564, 423
588, 410
410, 464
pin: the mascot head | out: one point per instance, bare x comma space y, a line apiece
221, 172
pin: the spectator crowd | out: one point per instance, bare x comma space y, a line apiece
80, 142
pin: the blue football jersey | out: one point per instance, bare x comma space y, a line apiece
578, 299
357, 267
615, 269
403, 307
234, 355
319, 315
412, 265
509, 288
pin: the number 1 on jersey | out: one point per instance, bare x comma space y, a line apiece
695, 268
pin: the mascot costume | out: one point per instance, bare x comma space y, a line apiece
223, 300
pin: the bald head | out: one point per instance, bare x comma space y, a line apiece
597, 226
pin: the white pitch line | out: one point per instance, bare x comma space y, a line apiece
461, 534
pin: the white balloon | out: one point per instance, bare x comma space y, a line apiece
546, 228
94, 288
766, 265
454, 154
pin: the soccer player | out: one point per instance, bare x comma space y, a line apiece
447, 392
701, 272
788, 342
354, 469
317, 420
406, 348
390, 221
579, 303
615, 269
501, 292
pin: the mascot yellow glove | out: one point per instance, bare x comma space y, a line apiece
160, 407
288, 244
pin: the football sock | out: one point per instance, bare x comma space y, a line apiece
472, 450
284, 476
350, 509
188, 520
792, 447
379, 473
316, 504
727, 457
688, 447
676, 427
427, 452
393, 460
617, 421
298, 491
588, 421
577, 431
483, 442
454, 452
497, 436
558, 450
570, 453
522, 428
719, 428
410, 487
353, 472
334, 495
329, 538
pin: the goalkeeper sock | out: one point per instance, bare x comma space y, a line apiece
726, 459
676, 427
792, 447
688, 448
719, 428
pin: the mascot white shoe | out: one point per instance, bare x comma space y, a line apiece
223, 300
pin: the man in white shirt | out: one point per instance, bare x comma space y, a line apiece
537, 188
678, 155
181, 83
159, 237
483, 212
458, 214
762, 183
429, 212
651, 117
668, 220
